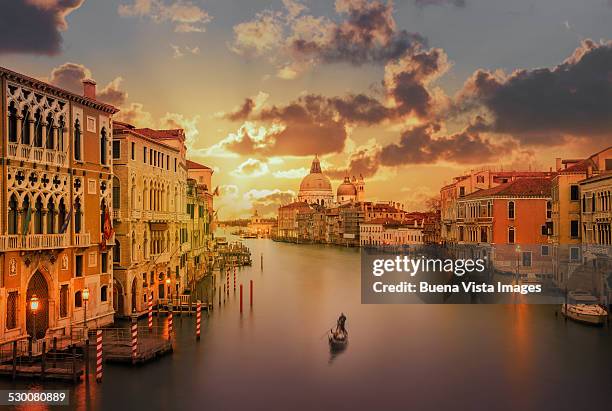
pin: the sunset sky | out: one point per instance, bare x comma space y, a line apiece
409, 93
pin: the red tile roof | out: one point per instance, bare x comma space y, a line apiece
521, 187
192, 165
161, 134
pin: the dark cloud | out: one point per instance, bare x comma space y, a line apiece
540, 106
242, 112
267, 204
419, 146
367, 35
425, 3
34, 26
364, 162
113, 94
70, 76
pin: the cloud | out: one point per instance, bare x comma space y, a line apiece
181, 51
135, 114
113, 94
189, 125
70, 76
425, 3
186, 17
34, 26
363, 161
544, 106
294, 173
266, 202
419, 145
294, 41
251, 168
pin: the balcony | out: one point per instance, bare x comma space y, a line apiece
33, 242
82, 239
25, 152
136, 214
117, 215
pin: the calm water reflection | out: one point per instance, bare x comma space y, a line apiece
415, 357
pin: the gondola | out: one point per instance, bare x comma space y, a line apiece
338, 340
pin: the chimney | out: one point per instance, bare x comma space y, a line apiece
558, 163
89, 88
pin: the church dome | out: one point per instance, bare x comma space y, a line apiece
347, 188
315, 182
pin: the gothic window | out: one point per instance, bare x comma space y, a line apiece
13, 215
11, 310
78, 216
61, 215
116, 193
77, 140
50, 138
511, 209
51, 229
60, 134
38, 130
12, 123
103, 146
117, 252
25, 126
38, 217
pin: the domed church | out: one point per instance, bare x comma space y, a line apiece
316, 187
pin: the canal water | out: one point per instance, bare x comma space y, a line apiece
417, 357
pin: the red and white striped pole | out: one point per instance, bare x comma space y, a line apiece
170, 324
234, 278
99, 356
134, 339
150, 312
227, 281
198, 319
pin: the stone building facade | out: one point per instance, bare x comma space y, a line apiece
56, 240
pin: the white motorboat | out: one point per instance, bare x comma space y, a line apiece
585, 313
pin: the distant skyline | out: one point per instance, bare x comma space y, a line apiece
408, 93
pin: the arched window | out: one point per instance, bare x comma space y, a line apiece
511, 235
38, 217
61, 216
117, 252
25, 126
38, 132
60, 133
12, 123
511, 209
103, 146
50, 137
133, 247
77, 140
13, 215
78, 216
116, 194
51, 229
78, 299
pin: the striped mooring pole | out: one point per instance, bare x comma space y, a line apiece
198, 319
170, 324
227, 281
134, 339
234, 279
99, 355
150, 312
251, 293
240, 298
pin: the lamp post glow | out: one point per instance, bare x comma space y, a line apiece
85, 299
169, 289
518, 261
34, 308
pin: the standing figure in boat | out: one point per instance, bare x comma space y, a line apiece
338, 338
340, 326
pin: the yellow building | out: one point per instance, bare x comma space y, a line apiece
56, 232
565, 235
151, 216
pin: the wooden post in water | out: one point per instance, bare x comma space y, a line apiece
43, 360
170, 325
251, 293
14, 359
261, 262
86, 357
99, 355
240, 298
234, 278
30, 347
150, 307
54, 352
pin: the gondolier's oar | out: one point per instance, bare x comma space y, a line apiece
326, 332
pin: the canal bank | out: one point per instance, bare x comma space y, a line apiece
430, 357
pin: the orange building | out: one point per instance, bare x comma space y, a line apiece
509, 223
56, 240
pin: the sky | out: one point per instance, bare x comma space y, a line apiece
407, 93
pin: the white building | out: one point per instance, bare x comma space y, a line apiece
384, 231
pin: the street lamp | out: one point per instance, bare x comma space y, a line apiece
169, 289
85, 299
34, 308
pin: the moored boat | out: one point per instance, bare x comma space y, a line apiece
585, 313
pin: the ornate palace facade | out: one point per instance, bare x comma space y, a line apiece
56, 201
